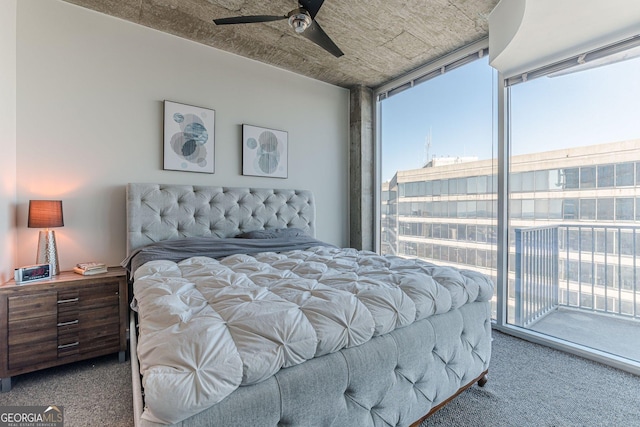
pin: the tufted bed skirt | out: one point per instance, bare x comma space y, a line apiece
394, 379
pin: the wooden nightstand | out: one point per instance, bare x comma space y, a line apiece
61, 320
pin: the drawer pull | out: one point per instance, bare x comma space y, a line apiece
73, 344
63, 301
73, 322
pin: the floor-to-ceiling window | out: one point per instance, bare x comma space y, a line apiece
574, 229
572, 191
438, 164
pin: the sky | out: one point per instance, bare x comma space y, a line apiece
433, 108
458, 111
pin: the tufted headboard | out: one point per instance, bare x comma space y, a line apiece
158, 212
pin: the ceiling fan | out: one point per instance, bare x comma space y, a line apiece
301, 19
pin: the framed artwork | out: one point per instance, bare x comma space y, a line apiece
264, 152
188, 138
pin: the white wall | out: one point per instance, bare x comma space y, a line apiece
525, 35
89, 120
8, 137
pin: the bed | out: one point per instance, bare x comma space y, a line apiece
240, 317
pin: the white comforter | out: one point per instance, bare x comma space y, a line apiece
208, 326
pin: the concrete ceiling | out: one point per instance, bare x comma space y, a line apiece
381, 39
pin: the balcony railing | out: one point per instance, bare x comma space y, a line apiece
588, 267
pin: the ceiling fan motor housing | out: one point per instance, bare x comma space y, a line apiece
299, 20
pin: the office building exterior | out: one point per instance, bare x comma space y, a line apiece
583, 202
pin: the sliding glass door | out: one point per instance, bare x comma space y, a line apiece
574, 205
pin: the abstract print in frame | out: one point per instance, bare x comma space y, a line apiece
188, 138
264, 152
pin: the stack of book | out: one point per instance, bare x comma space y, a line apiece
89, 268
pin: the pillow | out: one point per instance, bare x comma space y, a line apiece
272, 233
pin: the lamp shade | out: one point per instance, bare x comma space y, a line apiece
45, 214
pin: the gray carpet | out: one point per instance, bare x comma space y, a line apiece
94, 392
532, 385
529, 385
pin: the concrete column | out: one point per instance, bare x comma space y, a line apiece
361, 169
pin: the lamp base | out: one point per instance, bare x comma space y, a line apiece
48, 251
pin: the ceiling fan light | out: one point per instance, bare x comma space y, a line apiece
299, 22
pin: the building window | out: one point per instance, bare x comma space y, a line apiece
528, 181
462, 232
570, 209
515, 208
588, 209
624, 209
453, 186
627, 242
444, 187
436, 187
571, 178
588, 177
541, 208
624, 174
483, 187
555, 209
472, 185
605, 176
528, 209
605, 209
515, 183
472, 209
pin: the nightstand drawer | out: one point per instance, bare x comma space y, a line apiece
34, 305
68, 326
98, 317
32, 324
68, 301
99, 341
32, 331
103, 295
21, 348
23, 355
68, 344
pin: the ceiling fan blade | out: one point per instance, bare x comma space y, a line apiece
312, 6
317, 35
248, 19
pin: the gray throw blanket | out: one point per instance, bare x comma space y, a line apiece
213, 247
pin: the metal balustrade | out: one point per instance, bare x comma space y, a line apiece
587, 267
536, 284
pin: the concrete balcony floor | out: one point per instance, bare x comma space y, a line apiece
608, 333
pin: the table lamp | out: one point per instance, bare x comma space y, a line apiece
46, 214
